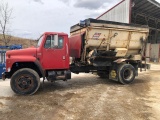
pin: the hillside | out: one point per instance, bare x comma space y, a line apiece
17, 40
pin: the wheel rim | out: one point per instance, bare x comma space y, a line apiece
24, 82
127, 75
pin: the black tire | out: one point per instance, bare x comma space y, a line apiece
25, 81
126, 73
103, 75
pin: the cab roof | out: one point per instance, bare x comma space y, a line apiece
59, 33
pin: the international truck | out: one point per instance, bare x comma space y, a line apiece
111, 50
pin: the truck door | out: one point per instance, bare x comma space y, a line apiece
54, 52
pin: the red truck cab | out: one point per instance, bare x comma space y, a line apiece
50, 59
52, 51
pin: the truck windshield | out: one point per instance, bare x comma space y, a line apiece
40, 41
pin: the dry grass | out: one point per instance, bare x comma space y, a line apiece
17, 40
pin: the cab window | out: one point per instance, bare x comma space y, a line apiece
50, 42
60, 42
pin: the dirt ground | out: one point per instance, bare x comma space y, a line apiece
86, 97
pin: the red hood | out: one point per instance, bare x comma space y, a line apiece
24, 52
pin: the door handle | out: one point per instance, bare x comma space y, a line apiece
63, 57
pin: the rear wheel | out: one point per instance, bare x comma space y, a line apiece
126, 73
25, 81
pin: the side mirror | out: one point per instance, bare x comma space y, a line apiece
55, 40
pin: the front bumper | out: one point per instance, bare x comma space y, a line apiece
5, 75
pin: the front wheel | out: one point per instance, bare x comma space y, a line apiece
25, 81
126, 73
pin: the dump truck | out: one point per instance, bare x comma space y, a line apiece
109, 49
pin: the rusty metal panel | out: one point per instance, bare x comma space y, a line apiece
107, 36
154, 52
135, 42
119, 13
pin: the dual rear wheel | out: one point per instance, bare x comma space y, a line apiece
125, 74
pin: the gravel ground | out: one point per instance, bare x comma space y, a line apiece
86, 97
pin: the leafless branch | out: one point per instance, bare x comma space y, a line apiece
5, 17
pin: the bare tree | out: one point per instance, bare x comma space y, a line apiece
5, 17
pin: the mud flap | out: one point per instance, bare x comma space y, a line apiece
113, 75
145, 66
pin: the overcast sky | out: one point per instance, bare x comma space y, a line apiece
31, 18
